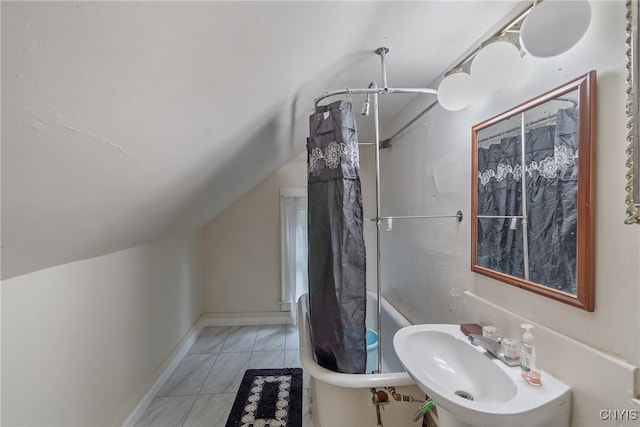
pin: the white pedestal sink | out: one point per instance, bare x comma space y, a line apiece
472, 388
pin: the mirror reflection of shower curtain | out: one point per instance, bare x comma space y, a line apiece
337, 276
551, 186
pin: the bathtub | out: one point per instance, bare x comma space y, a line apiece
346, 399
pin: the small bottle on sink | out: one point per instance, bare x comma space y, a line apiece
528, 358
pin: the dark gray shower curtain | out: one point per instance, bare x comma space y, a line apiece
337, 275
551, 158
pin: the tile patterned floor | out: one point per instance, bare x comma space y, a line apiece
202, 388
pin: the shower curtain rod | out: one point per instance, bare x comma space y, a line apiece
459, 215
500, 216
386, 143
533, 122
374, 90
528, 126
370, 91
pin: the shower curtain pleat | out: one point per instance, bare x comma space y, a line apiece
337, 275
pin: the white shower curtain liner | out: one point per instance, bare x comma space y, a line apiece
293, 208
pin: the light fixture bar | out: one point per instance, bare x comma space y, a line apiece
511, 26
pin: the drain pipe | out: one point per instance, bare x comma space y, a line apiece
426, 406
380, 397
402, 397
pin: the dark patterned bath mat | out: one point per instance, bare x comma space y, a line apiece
268, 397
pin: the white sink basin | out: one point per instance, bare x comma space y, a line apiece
471, 387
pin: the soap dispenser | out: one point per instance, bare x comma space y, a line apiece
528, 360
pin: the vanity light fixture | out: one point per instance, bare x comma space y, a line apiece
544, 29
498, 63
495, 64
554, 26
456, 90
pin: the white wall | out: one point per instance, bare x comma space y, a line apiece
81, 341
426, 264
242, 244
242, 247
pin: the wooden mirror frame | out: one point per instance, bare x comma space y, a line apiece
584, 297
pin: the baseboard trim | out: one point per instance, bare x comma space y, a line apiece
143, 398
246, 319
161, 375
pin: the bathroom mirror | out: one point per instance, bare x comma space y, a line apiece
633, 106
532, 226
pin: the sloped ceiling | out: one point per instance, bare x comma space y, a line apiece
125, 122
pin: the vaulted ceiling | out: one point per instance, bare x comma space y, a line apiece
125, 122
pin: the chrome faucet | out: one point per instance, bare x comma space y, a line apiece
493, 347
